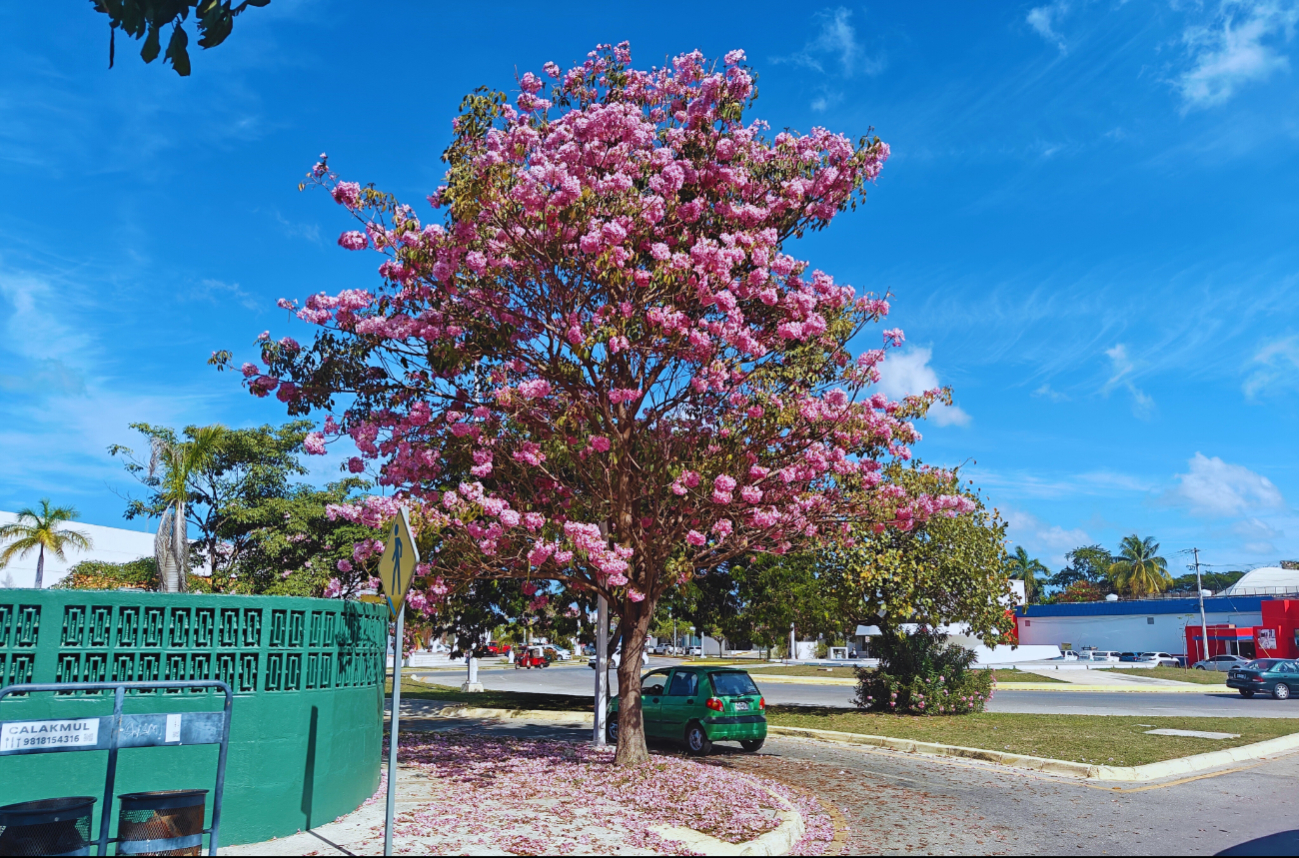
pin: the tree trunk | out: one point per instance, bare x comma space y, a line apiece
40, 568
634, 626
182, 546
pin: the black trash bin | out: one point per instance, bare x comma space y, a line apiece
166, 822
49, 826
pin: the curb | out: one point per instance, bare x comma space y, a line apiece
1064, 768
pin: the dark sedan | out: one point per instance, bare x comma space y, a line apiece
1276, 676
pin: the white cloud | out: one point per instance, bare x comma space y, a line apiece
1038, 536
1122, 367
1212, 487
905, 373
836, 52
217, 291
1279, 365
1048, 392
1252, 528
1044, 20
1238, 48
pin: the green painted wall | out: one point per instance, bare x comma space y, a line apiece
307, 724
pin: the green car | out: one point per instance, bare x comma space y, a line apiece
1276, 676
699, 706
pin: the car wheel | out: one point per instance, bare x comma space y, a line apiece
611, 730
1281, 691
1246, 693
697, 742
752, 745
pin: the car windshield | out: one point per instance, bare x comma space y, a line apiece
733, 684
1262, 663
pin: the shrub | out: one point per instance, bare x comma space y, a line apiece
922, 674
139, 574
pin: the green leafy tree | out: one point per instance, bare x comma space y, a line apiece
1080, 591
1027, 569
949, 570
1211, 580
240, 469
146, 19
40, 532
291, 546
1086, 563
1139, 570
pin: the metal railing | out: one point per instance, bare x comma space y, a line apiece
113, 732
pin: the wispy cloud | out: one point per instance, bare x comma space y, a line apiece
1122, 368
1045, 19
905, 373
217, 291
1212, 487
835, 52
1048, 392
1277, 366
1242, 45
1039, 536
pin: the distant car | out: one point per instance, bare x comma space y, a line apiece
1100, 655
1221, 663
1276, 676
558, 652
694, 652
1129, 657
615, 659
1161, 659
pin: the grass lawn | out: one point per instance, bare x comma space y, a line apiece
1014, 675
1103, 739
802, 670
1202, 677
494, 699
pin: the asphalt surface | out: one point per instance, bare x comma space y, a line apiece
900, 804
580, 679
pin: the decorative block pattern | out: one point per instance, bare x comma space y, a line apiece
257, 645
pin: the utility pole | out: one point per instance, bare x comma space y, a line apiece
1204, 623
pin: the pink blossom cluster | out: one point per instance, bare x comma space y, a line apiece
600, 332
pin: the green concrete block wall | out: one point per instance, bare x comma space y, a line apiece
307, 721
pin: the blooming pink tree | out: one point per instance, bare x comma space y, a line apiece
597, 365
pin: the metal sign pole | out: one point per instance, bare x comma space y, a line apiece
601, 670
393, 726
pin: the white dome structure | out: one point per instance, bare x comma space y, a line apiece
1266, 580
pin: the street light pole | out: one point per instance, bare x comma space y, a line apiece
601, 670
1204, 623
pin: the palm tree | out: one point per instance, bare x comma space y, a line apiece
1139, 570
178, 460
1020, 565
40, 531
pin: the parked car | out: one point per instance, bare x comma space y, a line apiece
615, 659
1161, 659
1276, 676
698, 706
694, 652
557, 652
1130, 657
1104, 655
1222, 663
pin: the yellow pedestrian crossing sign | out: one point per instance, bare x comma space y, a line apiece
397, 567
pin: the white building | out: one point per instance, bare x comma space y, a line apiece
112, 544
1136, 625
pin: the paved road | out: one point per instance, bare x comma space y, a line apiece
579, 679
898, 803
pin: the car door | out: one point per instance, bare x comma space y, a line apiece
680, 703
652, 686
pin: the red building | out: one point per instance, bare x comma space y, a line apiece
1276, 637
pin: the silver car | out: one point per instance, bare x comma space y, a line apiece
1221, 663
1161, 659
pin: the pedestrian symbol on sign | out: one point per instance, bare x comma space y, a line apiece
397, 567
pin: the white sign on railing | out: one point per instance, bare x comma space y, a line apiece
65, 733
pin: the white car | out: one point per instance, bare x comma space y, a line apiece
1160, 659
695, 651
560, 653
615, 659
1101, 655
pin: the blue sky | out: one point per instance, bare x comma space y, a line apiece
1089, 226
